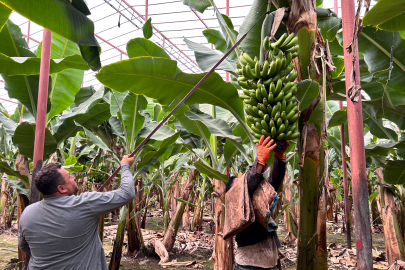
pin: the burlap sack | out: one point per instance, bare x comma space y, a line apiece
238, 211
264, 200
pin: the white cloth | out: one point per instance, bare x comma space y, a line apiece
263, 254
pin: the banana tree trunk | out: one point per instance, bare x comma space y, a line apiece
322, 253
375, 215
11, 210
3, 202
170, 235
303, 22
135, 239
23, 166
223, 250
119, 240
394, 244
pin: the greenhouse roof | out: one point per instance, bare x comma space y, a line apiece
118, 21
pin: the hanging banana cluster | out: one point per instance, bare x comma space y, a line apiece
269, 90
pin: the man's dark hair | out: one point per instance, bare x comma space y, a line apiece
48, 178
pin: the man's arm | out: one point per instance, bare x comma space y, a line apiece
104, 202
278, 171
22, 243
254, 177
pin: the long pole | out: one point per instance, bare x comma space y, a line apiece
356, 143
344, 169
41, 115
227, 14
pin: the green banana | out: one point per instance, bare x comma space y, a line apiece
261, 114
274, 52
265, 103
294, 136
259, 95
274, 111
242, 60
279, 41
283, 105
266, 43
292, 76
257, 135
280, 137
281, 129
269, 109
270, 98
256, 141
290, 114
289, 106
272, 88
243, 96
265, 70
283, 63
238, 65
245, 85
273, 132
262, 108
246, 92
263, 91
277, 116
279, 122
288, 96
291, 44
288, 134
283, 115
294, 55
266, 118
272, 69
249, 60
265, 126
294, 118
242, 79
249, 72
278, 87
265, 133
287, 40
256, 111
286, 123
258, 126
267, 82
278, 63
271, 124
257, 69
293, 49
279, 96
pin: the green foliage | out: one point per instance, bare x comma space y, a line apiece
147, 29
387, 15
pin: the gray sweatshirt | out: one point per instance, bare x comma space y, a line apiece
61, 232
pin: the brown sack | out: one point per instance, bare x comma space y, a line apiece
263, 200
238, 211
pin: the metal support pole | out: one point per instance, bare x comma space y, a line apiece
163, 44
344, 169
146, 10
41, 116
357, 155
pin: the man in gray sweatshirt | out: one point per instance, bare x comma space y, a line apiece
60, 231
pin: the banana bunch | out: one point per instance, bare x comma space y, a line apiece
269, 90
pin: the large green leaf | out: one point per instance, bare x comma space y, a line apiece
251, 44
338, 119
84, 106
8, 124
217, 39
152, 156
209, 171
158, 78
381, 108
59, 17
207, 58
216, 126
394, 172
376, 49
116, 100
5, 168
92, 116
328, 22
19, 186
84, 94
31, 65
387, 14
383, 149
22, 88
199, 5
133, 120
231, 149
24, 137
64, 19
142, 47
377, 127
161, 134
308, 90
378, 90
4, 14
147, 29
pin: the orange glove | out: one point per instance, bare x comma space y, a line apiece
264, 148
280, 154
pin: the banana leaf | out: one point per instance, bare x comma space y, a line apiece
308, 90
158, 78
92, 116
251, 44
24, 137
387, 15
4, 15
142, 47
199, 5
207, 58
5, 168
216, 38
376, 48
394, 172
209, 171
328, 22
64, 19
31, 65
8, 124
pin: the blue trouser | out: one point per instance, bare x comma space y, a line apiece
246, 267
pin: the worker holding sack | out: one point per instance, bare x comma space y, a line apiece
249, 206
61, 231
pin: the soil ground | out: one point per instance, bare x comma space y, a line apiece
9, 256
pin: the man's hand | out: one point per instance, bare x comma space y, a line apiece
127, 160
280, 154
264, 148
